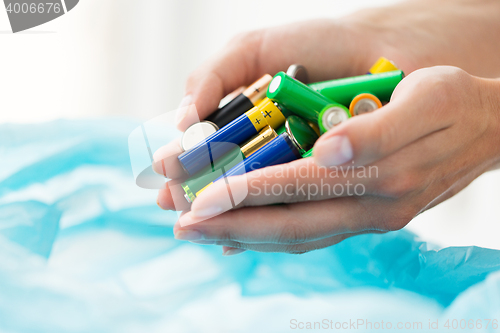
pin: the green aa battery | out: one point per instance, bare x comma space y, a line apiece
281, 129
301, 133
344, 90
308, 153
207, 175
331, 116
297, 97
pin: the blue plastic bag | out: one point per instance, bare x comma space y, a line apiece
83, 249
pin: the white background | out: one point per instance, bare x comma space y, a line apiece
130, 58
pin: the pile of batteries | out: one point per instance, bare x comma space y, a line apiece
254, 131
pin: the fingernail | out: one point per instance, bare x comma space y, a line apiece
158, 167
206, 212
200, 215
336, 150
158, 157
163, 208
182, 110
203, 242
188, 235
232, 251
187, 220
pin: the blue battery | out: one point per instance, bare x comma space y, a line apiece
217, 144
279, 151
235, 133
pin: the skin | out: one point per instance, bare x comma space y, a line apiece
440, 131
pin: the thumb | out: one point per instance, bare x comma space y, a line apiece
370, 137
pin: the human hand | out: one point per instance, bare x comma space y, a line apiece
339, 48
440, 131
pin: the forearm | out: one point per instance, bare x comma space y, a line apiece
462, 33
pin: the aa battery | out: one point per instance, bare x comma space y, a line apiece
294, 138
264, 137
223, 102
226, 162
297, 97
236, 132
250, 97
308, 153
197, 133
211, 172
344, 90
364, 103
383, 65
279, 151
301, 133
242, 103
315, 127
331, 116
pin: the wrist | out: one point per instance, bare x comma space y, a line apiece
415, 37
495, 91
490, 100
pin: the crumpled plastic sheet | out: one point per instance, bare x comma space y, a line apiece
83, 249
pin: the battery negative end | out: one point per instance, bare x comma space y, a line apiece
298, 72
197, 133
333, 116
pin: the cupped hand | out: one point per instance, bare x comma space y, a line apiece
331, 49
373, 173
339, 48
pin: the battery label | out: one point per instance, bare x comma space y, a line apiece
257, 119
266, 113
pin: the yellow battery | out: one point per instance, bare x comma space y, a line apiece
383, 65
265, 113
203, 189
266, 135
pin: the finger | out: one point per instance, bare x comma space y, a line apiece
233, 248
166, 162
370, 137
229, 245
231, 251
172, 196
235, 66
285, 248
288, 224
297, 181
165, 200
177, 226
